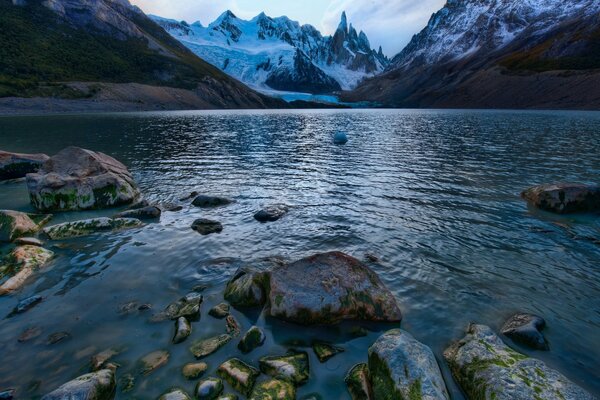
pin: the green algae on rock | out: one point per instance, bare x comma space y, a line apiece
175, 394
292, 367
209, 389
400, 367
16, 165
194, 370
79, 179
324, 351
204, 347
153, 361
239, 375
188, 307
86, 227
247, 288
252, 339
340, 288
274, 389
359, 383
20, 264
15, 224
98, 385
486, 368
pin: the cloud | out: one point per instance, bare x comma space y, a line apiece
389, 23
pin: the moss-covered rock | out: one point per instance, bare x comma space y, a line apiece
252, 339
292, 367
204, 347
16, 165
564, 198
20, 264
86, 227
209, 389
188, 307
340, 288
126, 383
175, 394
79, 179
488, 369
194, 370
219, 311
151, 362
324, 351
15, 224
183, 329
400, 367
239, 375
206, 226
359, 383
148, 212
247, 288
274, 389
98, 385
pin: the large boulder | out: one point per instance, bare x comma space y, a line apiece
403, 368
95, 386
16, 165
486, 368
14, 224
564, 198
339, 288
79, 179
20, 264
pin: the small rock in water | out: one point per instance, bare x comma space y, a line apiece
127, 383
204, 201
247, 288
175, 394
371, 257
206, 226
564, 198
340, 138
96, 385
324, 351
26, 304
29, 333
29, 241
219, 311
183, 329
526, 329
150, 212
87, 227
271, 213
239, 375
274, 389
144, 307
292, 367
188, 306
252, 339
153, 361
58, 337
15, 224
358, 331
233, 326
209, 389
189, 196
99, 360
194, 370
7, 394
204, 347
359, 383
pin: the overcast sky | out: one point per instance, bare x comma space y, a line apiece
389, 23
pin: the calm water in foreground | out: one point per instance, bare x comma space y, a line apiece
433, 194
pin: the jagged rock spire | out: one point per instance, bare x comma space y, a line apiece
343, 26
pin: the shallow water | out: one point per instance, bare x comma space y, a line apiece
433, 194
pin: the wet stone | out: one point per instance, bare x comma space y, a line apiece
26, 304
175, 394
183, 329
252, 339
239, 375
246, 288
149, 212
358, 331
87, 227
58, 337
15, 224
274, 389
271, 213
204, 201
188, 306
206, 226
209, 389
526, 329
233, 326
98, 385
205, 347
194, 370
7, 394
564, 198
324, 351
99, 360
153, 361
358, 382
28, 241
127, 383
20, 264
219, 311
29, 333
292, 367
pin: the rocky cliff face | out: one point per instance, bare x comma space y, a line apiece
278, 53
491, 53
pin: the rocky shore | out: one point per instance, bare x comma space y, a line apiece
340, 289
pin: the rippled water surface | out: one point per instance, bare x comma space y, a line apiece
433, 194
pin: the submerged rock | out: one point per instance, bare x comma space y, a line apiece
20, 264
247, 288
204, 201
194, 370
29, 333
486, 368
340, 138
564, 198
324, 351
16, 165
271, 213
26, 304
209, 389
149, 212
340, 288
7, 394
94, 386
402, 367
359, 383
14, 224
526, 329
292, 367
204, 347
99, 360
86, 227
57, 337
127, 383
153, 361
79, 179
239, 375
206, 226
219, 311
252, 339
188, 307
274, 389
175, 394
183, 329
233, 326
